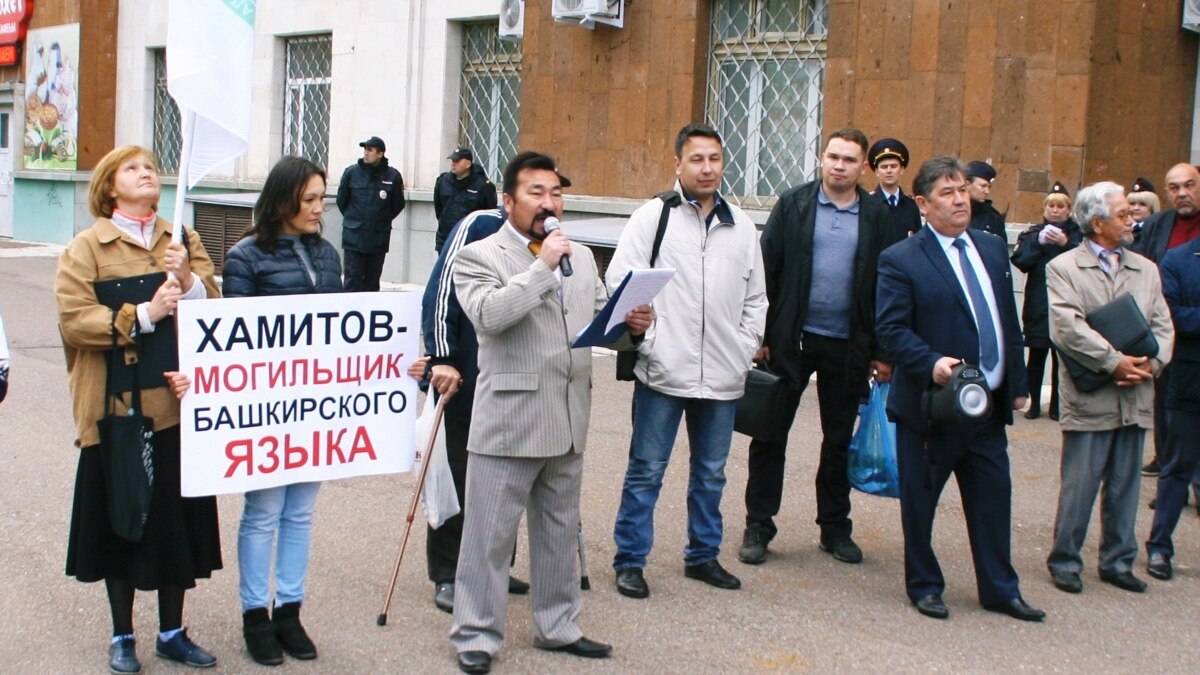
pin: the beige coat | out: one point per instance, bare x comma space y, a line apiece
100, 253
1076, 285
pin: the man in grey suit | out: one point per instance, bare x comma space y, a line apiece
532, 405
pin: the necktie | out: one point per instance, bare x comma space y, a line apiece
1112, 259
892, 199
989, 350
535, 247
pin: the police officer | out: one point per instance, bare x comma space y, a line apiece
370, 196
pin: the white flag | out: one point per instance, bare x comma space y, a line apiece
210, 53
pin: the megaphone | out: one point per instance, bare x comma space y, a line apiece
963, 398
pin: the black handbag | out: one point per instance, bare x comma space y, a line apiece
626, 360
127, 455
1122, 324
759, 410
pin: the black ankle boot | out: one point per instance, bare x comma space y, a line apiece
290, 632
264, 648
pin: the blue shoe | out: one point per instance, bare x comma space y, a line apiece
122, 656
181, 648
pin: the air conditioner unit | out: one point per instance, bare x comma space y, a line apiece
570, 9
588, 13
1191, 15
512, 19
613, 13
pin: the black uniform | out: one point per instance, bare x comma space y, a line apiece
904, 217
370, 196
454, 198
985, 217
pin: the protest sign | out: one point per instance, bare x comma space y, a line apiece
296, 388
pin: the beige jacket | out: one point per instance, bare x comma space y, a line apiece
1076, 285
99, 253
709, 319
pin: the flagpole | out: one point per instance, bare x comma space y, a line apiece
185, 161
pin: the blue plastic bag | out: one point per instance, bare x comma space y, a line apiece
872, 466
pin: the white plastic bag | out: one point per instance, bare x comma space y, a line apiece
438, 496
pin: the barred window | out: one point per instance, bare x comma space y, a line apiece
766, 72
309, 68
168, 132
490, 97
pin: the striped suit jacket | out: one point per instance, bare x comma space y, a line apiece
534, 393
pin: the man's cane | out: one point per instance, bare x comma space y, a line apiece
412, 508
584, 582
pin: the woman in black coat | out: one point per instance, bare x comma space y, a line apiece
1036, 247
284, 254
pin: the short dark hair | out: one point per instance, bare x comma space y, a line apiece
280, 198
695, 129
850, 134
944, 166
525, 161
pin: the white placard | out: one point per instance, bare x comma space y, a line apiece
296, 388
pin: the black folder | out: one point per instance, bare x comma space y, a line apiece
1122, 324
157, 351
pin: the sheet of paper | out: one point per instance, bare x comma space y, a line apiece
640, 289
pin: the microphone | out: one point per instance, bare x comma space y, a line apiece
564, 263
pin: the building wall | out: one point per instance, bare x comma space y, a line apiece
1140, 105
1046, 90
609, 102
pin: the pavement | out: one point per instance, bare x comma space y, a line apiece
802, 611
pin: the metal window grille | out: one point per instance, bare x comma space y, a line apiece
766, 72
168, 132
490, 97
309, 68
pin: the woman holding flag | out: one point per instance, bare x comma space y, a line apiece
282, 254
179, 540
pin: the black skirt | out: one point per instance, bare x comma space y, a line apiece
182, 540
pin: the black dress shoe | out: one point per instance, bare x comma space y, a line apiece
1125, 581
932, 606
1159, 566
843, 549
1033, 413
712, 574
632, 584
474, 662
588, 649
1054, 415
1067, 581
1017, 609
443, 596
516, 586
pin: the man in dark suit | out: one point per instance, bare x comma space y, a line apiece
1160, 233
944, 296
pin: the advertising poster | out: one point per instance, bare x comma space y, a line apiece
52, 97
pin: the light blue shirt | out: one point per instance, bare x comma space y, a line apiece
995, 376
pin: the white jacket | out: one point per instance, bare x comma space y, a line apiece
709, 319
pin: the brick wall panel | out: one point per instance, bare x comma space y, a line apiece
926, 19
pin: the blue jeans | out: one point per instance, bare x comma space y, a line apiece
286, 510
655, 425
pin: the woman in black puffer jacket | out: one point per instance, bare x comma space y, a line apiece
283, 254
1036, 247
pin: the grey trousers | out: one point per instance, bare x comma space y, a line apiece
498, 489
1089, 459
